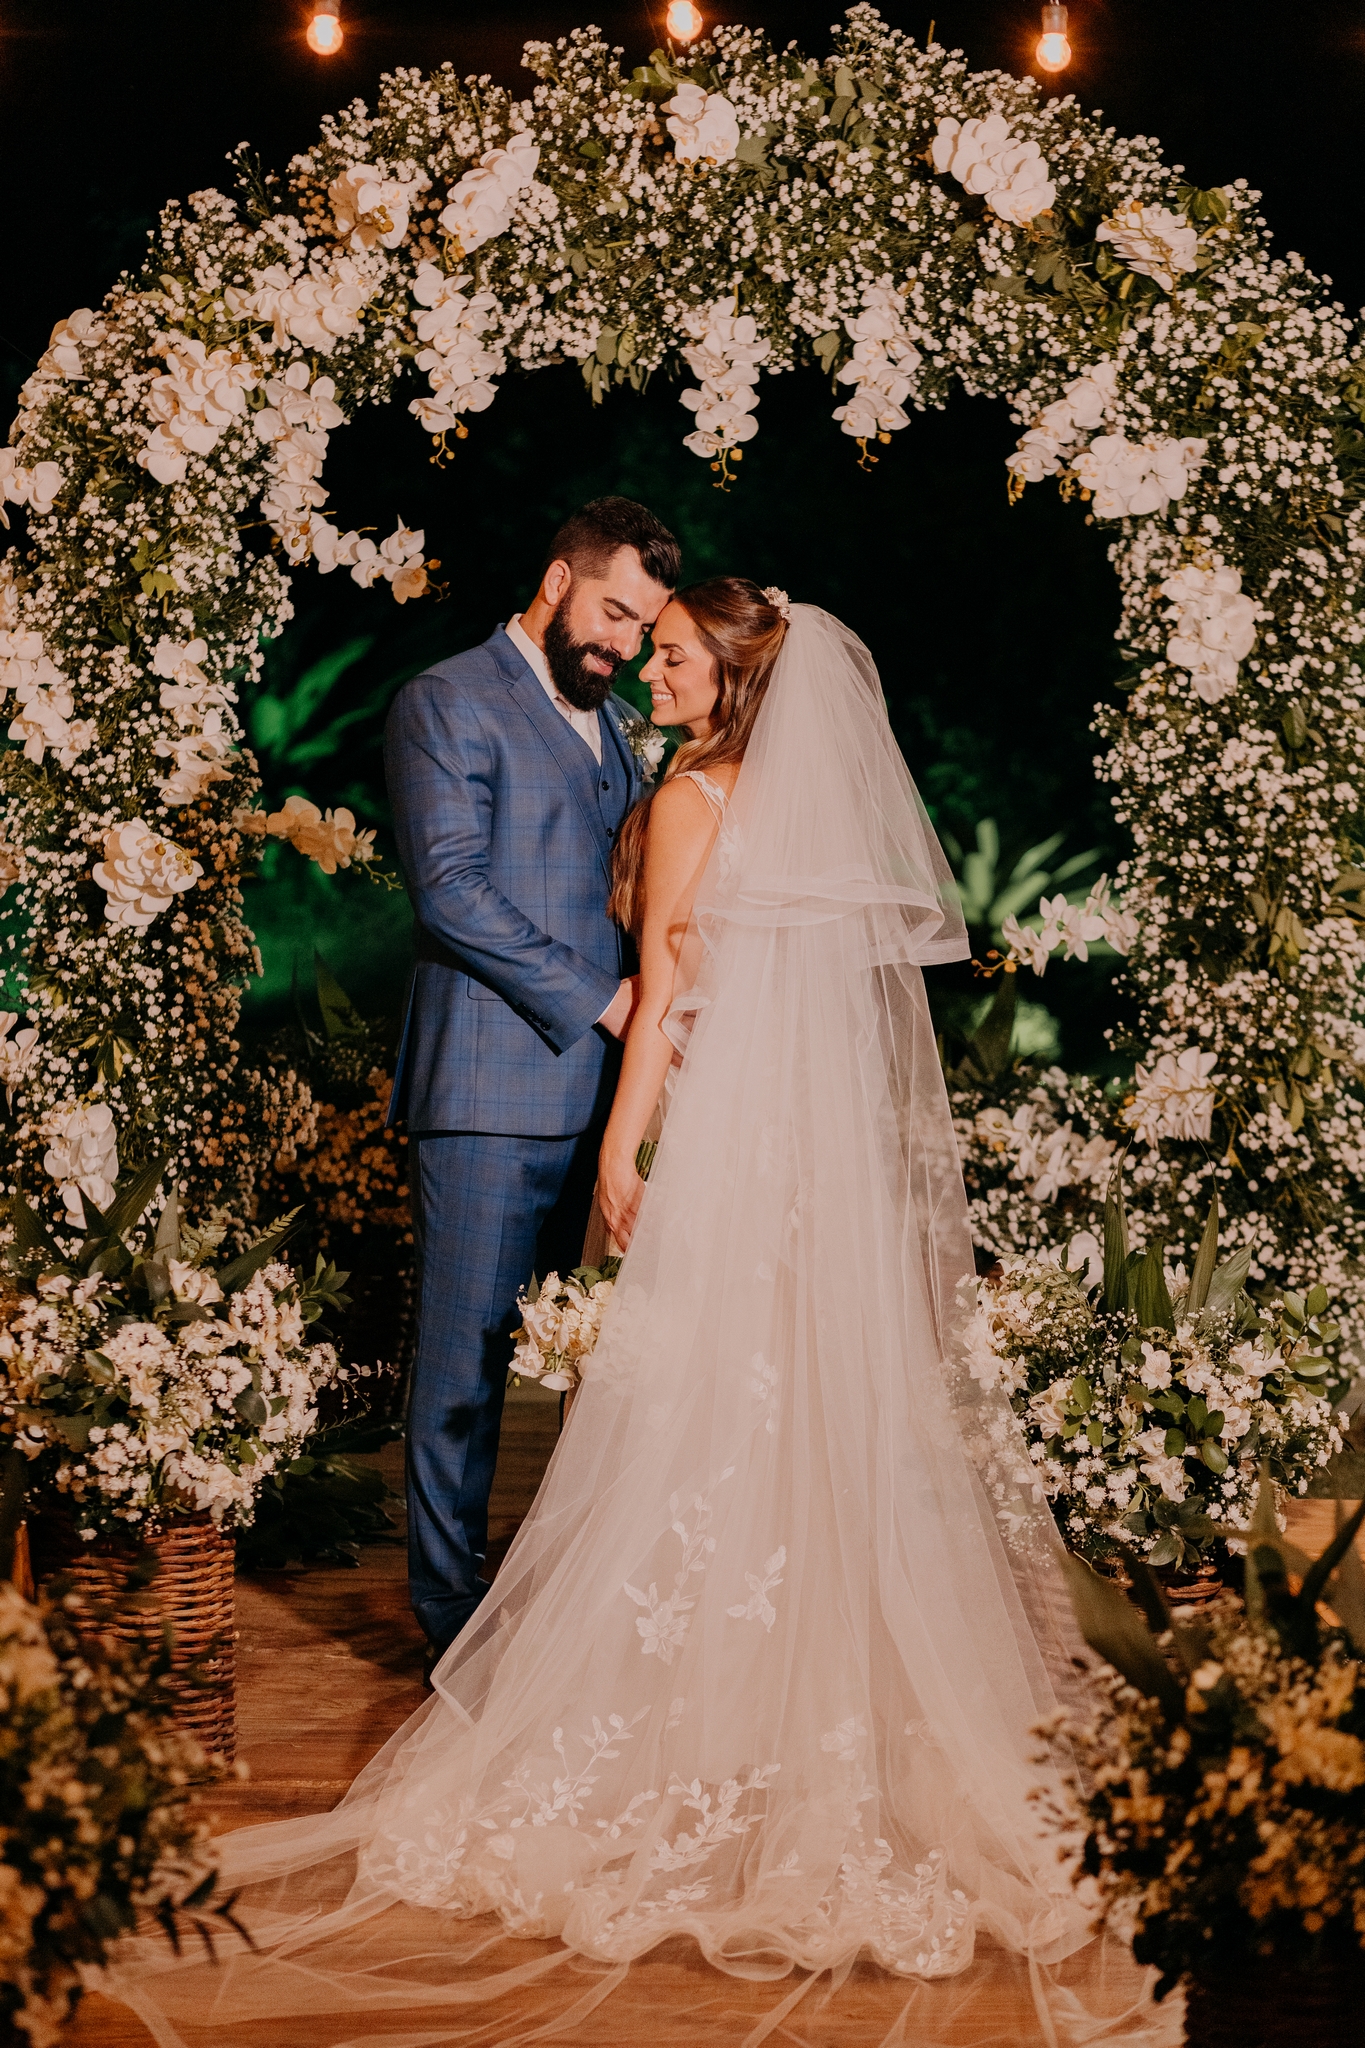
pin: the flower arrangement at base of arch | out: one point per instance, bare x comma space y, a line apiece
883, 218
145, 1378
1150, 1404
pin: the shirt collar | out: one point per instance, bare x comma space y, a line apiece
533, 656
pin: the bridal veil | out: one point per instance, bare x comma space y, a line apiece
761, 1666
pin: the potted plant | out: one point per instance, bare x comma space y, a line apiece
95, 1789
148, 1390
1215, 1804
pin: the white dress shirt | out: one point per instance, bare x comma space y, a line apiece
584, 723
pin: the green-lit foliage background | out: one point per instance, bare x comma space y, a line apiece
992, 626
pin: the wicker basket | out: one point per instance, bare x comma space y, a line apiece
1195, 1590
1268, 2004
193, 1593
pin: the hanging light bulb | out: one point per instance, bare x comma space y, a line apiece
324, 30
1054, 51
684, 21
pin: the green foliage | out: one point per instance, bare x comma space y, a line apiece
1220, 1786
323, 1506
95, 1788
988, 898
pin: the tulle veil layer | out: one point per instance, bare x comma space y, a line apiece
761, 1666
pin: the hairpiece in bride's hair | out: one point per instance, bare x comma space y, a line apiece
779, 601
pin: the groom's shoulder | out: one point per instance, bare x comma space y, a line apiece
464, 677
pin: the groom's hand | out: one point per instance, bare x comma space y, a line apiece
619, 1011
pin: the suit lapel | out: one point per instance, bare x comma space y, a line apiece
610, 716
572, 757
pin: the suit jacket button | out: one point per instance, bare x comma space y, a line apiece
605, 784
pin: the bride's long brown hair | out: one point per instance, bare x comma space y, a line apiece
742, 630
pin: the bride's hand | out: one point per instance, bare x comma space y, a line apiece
619, 1188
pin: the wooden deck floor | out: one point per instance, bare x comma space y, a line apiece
330, 1666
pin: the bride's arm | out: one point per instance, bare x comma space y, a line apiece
681, 833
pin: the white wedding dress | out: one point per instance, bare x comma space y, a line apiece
761, 1667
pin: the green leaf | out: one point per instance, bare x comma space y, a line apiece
1228, 1282
13, 1490
988, 1049
1318, 1299
1175, 1443
1213, 1456
1321, 1571
127, 1207
29, 1235
1205, 1260
1151, 1296
1345, 1592
1115, 1245
340, 1017
252, 1408
1115, 1631
238, 1271
167, 1240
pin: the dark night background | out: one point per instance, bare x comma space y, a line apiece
993, 625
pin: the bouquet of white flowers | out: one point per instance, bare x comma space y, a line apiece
561, 1320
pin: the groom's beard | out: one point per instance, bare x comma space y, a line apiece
564, 657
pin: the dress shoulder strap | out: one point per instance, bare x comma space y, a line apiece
712, 791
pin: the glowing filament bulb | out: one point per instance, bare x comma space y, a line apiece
1054, 51
324, 30
684, 21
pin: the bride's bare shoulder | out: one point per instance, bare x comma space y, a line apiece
681, 821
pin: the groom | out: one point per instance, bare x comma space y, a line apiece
509, 774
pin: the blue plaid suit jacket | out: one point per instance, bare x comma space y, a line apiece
505, 826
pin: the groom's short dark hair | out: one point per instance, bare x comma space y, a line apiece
588, 539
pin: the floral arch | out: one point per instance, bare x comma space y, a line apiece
885, 221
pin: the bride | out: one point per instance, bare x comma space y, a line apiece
761, 1666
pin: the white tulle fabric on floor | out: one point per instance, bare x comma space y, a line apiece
761, 1666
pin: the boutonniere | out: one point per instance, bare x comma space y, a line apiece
646, 742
